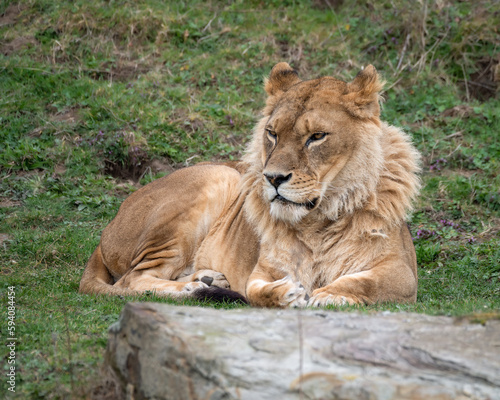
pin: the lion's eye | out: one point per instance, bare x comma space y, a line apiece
315, 137
272, 135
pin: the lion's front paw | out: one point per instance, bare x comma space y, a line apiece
323, 298
293, 293
281, 293
212, 278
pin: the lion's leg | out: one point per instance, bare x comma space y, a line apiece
207, 276
141, 281
263, 290
350, 289
159, 229
392, 279
385, 282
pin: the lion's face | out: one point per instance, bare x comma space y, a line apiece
314, 135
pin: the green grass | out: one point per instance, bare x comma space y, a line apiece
99, 97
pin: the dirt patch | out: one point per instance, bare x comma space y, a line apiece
195, 125
460, 111
70, 116
466, 173
133, 172
483, 84
107, 387
292, 54
3, 238
18, 44
59, 170
492, 230
164, 165
123, 71
6, 203
327, 4
11, 14
125, 170
6, 270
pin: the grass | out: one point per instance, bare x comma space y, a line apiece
100, 97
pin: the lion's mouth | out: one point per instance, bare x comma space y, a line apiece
309, 204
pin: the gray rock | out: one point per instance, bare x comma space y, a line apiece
157, 351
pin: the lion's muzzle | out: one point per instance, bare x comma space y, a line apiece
277, 180
291, 197
310, 204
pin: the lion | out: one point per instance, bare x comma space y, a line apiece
313, 215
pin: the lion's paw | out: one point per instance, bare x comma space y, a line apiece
212, 278
294, 295
324, 299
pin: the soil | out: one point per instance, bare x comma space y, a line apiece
461, 111
17, 45
133, 172
122, 72
327, 4
3, 238
483, 84
11, 14
69, 116
5, 203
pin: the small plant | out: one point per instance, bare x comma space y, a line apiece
424, 234
427, 253
438, 164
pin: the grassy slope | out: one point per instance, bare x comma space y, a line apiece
96, 95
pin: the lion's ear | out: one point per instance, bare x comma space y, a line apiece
282, 77
362, 94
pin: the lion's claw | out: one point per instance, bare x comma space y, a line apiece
295, 295
324, 299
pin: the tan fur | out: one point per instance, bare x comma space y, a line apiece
334, 235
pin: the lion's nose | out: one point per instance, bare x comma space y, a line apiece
277, 180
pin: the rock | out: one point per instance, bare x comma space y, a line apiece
157, 351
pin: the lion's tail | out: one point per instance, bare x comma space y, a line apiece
96, 278
219, 295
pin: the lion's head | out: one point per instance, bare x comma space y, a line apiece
317, 148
